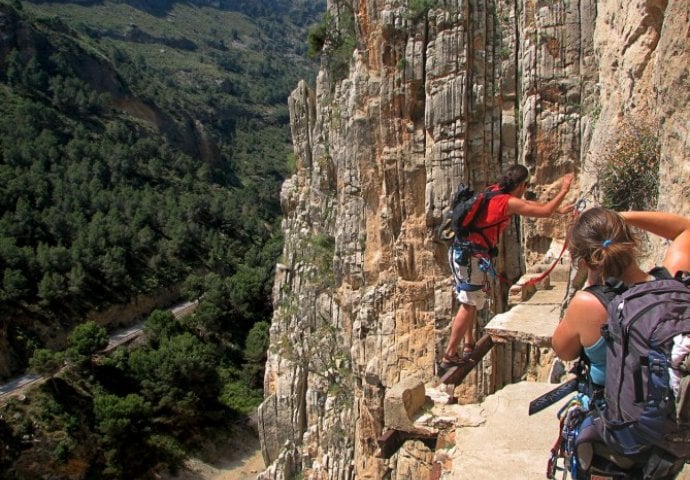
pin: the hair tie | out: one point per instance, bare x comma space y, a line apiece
606, 243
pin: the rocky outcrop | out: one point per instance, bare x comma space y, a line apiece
437, 95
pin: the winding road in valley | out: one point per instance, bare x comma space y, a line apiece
237, 457
116, 339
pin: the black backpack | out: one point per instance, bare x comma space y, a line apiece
466, 207
640, 412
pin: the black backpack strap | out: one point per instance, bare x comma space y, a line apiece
660, 273
683, 277
488, 195
604, 293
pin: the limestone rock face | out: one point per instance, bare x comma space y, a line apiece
431, 97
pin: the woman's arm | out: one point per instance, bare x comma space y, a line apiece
565, 340
667, 225
580, 326
677, 256
670, 226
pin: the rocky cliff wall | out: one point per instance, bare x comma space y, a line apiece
436, 95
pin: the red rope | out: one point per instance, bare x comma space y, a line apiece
577, 208
541, 277
550, 269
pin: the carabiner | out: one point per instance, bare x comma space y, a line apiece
581, 205
484, 264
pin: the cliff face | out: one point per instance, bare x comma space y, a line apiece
434, 96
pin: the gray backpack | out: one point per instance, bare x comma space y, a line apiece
640, 411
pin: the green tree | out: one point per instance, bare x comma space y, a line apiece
87, 339
14, 286
255, 349
206, 321
124, 425
179, 376
52, 287
319, 35
46, 361
162, 325
257, 343
246, 294
77, 279
193, 287
119, 417
238, 396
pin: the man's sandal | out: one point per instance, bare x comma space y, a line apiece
456, 359
467, 351
449, 362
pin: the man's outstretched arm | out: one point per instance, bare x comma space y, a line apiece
528, 208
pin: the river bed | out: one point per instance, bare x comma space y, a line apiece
237, 457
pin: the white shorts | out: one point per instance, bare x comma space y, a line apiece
470, 276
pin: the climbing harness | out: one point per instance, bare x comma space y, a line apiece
460, 253
487, 266
570, 418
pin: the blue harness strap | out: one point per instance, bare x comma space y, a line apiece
461, 253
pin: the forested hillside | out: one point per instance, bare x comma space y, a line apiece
135, 151
142, 148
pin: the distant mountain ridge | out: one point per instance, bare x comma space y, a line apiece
303, 8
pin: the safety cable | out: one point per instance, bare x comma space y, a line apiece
579, 206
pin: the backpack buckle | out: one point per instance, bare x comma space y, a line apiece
484, 264
605, 333
683, 277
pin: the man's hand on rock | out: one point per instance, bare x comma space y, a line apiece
567, 180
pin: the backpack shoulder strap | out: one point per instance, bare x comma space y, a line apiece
660, 273
683, 277
606, 292
492, 193
487, 195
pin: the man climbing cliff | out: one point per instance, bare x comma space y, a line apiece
471, 256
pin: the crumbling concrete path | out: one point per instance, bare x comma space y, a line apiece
498, 440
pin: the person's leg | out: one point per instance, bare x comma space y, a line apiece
468, 345
468, 281
463, 326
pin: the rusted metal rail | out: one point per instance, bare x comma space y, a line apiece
455, 375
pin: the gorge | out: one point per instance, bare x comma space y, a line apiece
434, 93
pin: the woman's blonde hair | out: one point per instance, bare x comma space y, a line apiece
603, 240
